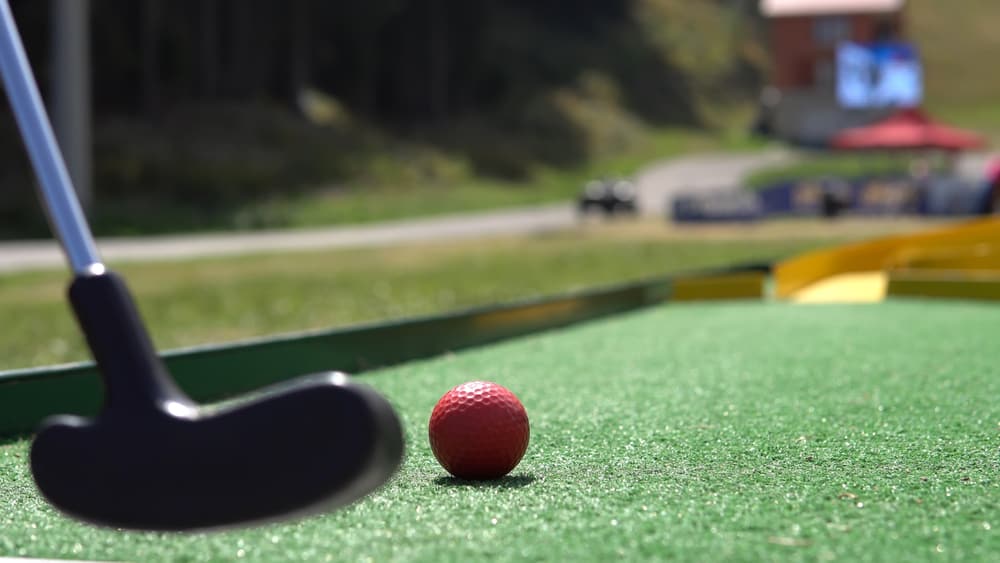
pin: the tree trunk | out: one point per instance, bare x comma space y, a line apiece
369, 73
298, 52
71, 88
208, 60
150, 37
437, 57
240, 47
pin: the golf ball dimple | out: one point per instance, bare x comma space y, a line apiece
479, 430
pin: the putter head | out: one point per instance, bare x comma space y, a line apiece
153, 460
310, 445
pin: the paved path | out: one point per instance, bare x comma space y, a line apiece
31, 255
657, 185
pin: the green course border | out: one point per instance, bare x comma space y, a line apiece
216, 372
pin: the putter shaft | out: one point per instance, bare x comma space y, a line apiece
59, 197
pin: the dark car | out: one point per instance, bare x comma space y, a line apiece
610, 196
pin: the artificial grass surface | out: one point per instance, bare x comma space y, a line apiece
739, 431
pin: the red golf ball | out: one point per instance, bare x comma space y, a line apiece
479, 430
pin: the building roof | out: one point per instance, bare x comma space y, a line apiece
778, 8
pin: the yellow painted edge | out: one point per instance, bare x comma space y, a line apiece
946, 285
719, 287
981, 256
857, 287
794, 274
527, 315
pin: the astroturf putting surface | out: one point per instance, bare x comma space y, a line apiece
739, 431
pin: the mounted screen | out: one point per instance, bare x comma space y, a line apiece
878, 75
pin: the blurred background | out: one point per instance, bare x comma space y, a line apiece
205, 115
222, 114
591, 141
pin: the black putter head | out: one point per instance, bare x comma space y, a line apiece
153, 460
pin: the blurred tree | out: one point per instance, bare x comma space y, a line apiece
366, 22
298, 50
502, 84
399, 60
208, 54
150, 36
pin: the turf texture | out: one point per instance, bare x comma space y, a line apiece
708, 432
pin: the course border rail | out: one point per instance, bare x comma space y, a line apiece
27, 396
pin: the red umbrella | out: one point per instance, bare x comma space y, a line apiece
907, 129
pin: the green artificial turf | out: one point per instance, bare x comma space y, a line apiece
726, 431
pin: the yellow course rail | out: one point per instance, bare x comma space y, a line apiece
871, 270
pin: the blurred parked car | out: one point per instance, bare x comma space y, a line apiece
610, 196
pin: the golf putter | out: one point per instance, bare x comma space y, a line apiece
152, 459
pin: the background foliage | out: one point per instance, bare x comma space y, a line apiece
207, 102
207, 107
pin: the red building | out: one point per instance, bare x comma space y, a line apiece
803, 36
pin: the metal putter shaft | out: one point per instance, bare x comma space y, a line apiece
153, 459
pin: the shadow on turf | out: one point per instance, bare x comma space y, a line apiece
508, 482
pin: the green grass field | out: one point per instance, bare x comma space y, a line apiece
956, 39
689, 432
197, 302
403, 188
218, 300
396, 200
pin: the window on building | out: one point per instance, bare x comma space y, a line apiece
830, 30
885, 30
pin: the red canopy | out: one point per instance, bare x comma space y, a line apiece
907, 129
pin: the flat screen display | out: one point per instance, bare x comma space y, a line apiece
878, 75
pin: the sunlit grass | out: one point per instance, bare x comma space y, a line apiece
386, 199
215, 300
